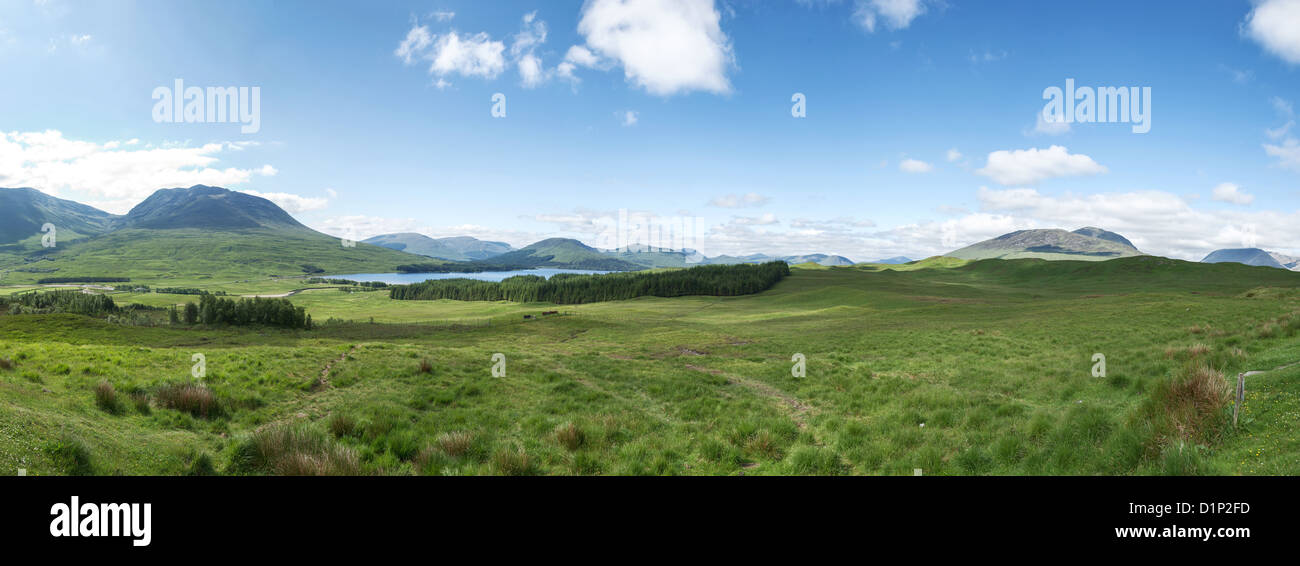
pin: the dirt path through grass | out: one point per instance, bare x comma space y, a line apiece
794, 408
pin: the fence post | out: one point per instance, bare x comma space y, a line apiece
1241, 397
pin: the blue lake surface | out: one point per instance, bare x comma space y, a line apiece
404, 278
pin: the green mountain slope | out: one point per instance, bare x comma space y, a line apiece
24, 211
1051, 244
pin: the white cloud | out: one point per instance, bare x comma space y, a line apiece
915, 166
954, 155
1281, 131
107, 175
474, 55
1275, 25
1230, 192
1283, 106
764, 220
292, 203
523, 50
1030, 166
739, 201
629, 118
987, 56
444, 16
1287, 154
666, 47
896, 14
416, 43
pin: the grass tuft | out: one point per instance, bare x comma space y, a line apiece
197, 400
571, 436
106, 398
295, 450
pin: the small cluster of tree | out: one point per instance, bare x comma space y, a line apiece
213, 310
62, 301
58, 280
309, 268
367, 284
716, 280
186, 291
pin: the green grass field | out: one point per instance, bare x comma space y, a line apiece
954, 368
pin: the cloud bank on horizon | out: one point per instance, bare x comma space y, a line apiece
682, 108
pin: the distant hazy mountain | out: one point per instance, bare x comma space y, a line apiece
1248, 256
24, 211
459, 248
1082, 244
1289, 262
562, 253
896, 260
820, 259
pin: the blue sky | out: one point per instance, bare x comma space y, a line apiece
920, 135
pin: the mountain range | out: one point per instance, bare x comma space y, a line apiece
459, 248
199, 232
205, 232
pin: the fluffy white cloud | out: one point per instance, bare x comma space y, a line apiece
630, 117
954, 155
1230, 192
291, 203
1287, 154
666, 47
1029, 166
739, 201
523, 50
115, 175
896, 14
1275, 25
915, 166
474, 55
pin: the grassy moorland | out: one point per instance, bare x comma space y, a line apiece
956, 368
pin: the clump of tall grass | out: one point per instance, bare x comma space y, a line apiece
197, 400
426, 366
294, 450
1188, 408
141, 401
6, 363
570, 435
455, 444
106, 398
513, 461
342, 425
